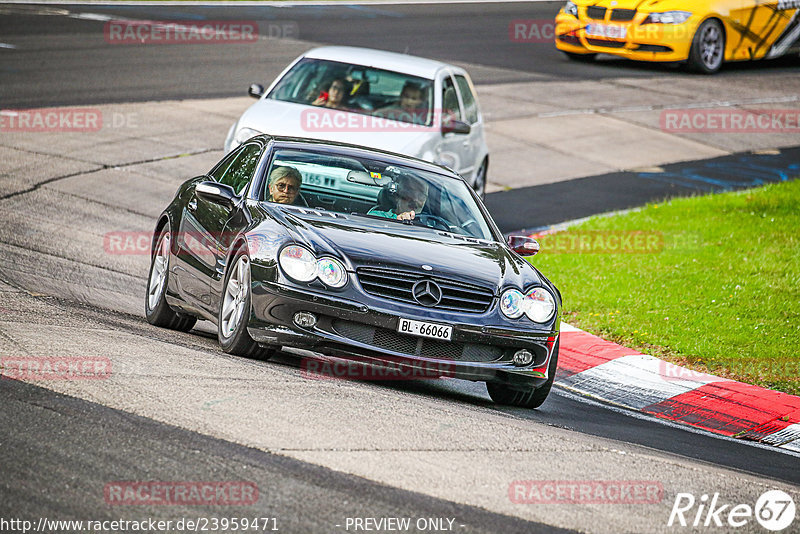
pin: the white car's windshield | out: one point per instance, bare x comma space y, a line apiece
373, 188
359, 89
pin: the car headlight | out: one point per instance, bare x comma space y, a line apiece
668, 17
331, 272
298, 263
539, 305
511, 303
571, 9
243, 134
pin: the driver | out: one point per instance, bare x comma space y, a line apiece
284, 185
409, 199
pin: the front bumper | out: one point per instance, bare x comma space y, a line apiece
648, 42
354, 330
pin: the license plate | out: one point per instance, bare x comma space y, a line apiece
607, 30
423, 329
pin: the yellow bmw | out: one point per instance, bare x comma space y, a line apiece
702, 33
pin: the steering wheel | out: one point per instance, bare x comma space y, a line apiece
432, 221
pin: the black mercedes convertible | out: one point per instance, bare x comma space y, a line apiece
356, 254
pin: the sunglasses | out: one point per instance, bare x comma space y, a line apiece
286, 188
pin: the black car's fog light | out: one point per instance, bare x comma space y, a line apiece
523, 357
305, 319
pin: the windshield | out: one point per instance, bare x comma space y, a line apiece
359, 89
373, 188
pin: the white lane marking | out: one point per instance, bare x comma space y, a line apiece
637, 381
569, 328
578, 397
9, 46
92, 16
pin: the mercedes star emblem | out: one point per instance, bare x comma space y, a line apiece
427, 292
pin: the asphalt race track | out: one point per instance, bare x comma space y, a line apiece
177, 409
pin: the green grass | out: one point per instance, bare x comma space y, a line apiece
722, 296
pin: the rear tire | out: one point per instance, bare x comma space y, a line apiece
708, 48
234, 311
531, 398
156, 309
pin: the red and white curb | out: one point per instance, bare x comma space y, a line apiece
591, 366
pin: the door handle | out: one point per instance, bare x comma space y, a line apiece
193, 204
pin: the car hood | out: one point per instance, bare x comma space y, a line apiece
364, 241
647, 5
275, 117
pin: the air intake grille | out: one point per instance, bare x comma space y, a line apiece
386, 339
397, 285
606, 44
594, 12
623, 15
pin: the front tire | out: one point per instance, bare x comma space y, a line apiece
708, 48
234, 311
156, 309
531, 398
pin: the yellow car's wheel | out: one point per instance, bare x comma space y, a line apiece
708, 47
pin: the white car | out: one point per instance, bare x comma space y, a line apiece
393, 102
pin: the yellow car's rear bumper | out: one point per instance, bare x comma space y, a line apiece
648, 42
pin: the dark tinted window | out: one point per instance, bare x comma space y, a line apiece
239, 173
219, 169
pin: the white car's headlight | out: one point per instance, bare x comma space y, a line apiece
243, 134
298, 263
571, 9
668, 17
539, 305
511, 303
331, 272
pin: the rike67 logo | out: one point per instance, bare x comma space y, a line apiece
774, 510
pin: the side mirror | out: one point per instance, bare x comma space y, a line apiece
454, 126
256, 90
215, 192
523, 245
